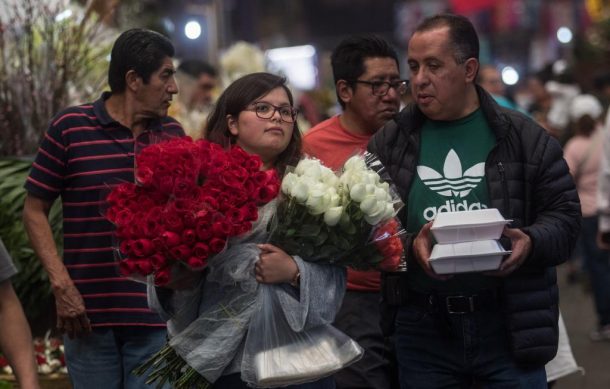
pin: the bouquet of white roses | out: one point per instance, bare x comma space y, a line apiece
345, 220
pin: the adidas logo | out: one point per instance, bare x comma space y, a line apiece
452, 183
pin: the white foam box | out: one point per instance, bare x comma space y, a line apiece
467, 257
466, 226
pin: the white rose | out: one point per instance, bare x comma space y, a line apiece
370, 206
381, 194
358, 192
355, 163
329, 177
318, 202
309, 167
389, 211
300, 191
333, 215
288, 182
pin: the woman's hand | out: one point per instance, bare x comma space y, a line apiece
274, 266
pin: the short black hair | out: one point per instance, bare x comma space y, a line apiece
463, 38
348, 57
140, 50
195, 68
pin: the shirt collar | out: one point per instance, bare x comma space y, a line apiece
99, 109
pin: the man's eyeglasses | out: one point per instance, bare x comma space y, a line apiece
381, 88
266, 111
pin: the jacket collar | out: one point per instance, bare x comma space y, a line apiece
411, 118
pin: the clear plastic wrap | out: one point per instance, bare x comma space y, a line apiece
277, 355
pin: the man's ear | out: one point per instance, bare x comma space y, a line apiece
232, 125
472, 68
344, 91
132, 80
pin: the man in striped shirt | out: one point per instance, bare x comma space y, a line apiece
108, 327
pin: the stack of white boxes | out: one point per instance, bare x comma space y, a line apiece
467, 241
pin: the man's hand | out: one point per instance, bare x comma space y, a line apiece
274, 265
71, 317
422, 248
521, 249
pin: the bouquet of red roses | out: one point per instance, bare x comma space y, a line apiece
189, 198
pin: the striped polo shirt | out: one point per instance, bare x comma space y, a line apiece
83, 153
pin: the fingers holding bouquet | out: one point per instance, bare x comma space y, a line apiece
275, 265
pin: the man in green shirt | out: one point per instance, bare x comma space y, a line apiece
456, 149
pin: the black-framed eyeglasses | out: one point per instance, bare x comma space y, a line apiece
381, 88
266, 111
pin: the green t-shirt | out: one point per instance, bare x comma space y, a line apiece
450, 177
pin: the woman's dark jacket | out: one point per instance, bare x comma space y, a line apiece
529, 182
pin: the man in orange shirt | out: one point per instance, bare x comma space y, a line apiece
368, 86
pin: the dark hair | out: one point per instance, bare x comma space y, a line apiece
463, 38
236, 98
142, 51
348, 57
195, 68
585, 125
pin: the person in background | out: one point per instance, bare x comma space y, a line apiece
197, 81
369, 88
108, 328
15, 336
490, 79
455, 144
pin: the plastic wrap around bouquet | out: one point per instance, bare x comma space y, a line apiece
348, 220
189, 198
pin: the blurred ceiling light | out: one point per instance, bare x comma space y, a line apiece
192, 29
510, 76
564, 35
297, 63
63, 15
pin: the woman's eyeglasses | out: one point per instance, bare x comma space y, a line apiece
267, 110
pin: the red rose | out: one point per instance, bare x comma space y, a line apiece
162, 276
217, 245
144, 266
166, 184
170, 239
180, 252
189, 236
253, 164
266, 193
127, 267
249, 212
142, 248
158, 261
203, 230
152, 228
124, 217
201, 251
173, 222
221, 229
144, 175
182, 187
196, 263
126, 247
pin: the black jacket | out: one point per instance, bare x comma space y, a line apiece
529, 182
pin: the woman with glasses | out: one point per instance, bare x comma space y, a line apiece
255, 113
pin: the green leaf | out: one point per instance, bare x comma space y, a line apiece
308, 230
